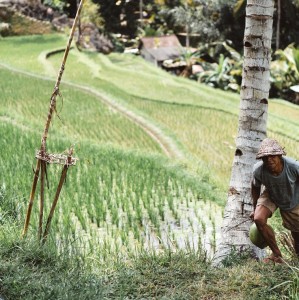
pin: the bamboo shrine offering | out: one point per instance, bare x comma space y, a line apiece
44, 158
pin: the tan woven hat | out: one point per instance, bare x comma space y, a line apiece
270, 147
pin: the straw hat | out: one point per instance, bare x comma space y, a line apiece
270, 147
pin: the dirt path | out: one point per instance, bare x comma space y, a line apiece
168, 146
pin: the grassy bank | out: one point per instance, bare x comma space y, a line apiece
31, 272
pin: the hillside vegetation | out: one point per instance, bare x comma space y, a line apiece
139, 215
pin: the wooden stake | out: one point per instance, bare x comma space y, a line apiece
52, 108
41, 203
31, 199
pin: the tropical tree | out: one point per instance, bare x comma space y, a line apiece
195, 17
285, 20
225, 72
90, 14
251, 129
187, 16
285, 73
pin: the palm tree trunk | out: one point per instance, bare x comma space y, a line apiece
278, 24
187, 36
141, 12
251, 128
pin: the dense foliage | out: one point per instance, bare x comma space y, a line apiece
206, 21
214, 28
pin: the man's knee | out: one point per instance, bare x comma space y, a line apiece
261, 215
260, 221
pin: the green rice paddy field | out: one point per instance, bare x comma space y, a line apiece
155, 151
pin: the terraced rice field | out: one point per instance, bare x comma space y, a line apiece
154, 150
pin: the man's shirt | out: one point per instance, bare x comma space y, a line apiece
283, 189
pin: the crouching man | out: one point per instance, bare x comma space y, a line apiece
280, 177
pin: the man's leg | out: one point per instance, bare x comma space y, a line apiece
295, 236
261, 215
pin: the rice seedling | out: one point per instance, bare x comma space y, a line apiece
26, 107
89, 207
20, 52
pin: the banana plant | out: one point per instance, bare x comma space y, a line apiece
285, 71
218, 74
226, 73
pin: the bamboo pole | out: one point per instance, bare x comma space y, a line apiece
31, 198
61, 181
42, 194
52, 108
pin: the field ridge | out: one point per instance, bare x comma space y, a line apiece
165, 142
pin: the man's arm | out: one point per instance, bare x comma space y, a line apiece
255, 194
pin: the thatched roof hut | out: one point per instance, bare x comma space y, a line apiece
158, 49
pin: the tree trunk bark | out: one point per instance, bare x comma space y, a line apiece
251, 129
278, 24
141, 12
187, 36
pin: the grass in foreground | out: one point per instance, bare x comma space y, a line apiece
28, 271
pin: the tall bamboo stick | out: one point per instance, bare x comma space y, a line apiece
52, 108
42, 194
56, 87
31, 198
